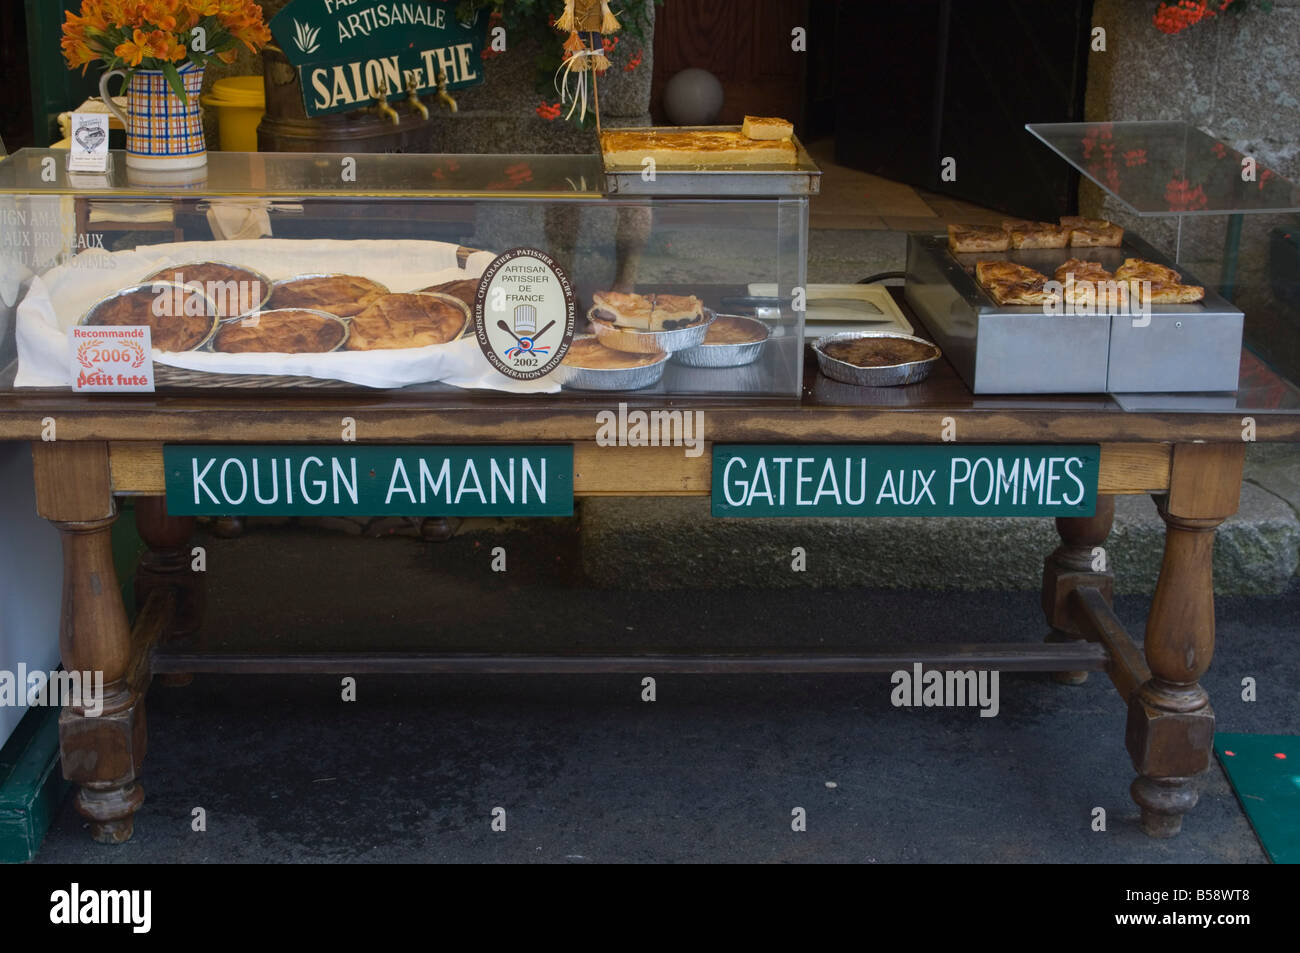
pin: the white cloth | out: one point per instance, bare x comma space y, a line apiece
56, 301
240, 220
141, 213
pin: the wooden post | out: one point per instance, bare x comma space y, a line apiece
101, 752
1071, 565
1170, 733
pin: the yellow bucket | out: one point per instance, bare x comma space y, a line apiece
240, 102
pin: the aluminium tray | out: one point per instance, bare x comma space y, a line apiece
1000, 349
803, 178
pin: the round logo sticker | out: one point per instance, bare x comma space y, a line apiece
524, 314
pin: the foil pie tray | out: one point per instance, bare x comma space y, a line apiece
266, 283
725, 355
891, 375
647, 342
155, 288
610, 378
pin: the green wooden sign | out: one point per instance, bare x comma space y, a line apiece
347, 480
346, 50
903, 480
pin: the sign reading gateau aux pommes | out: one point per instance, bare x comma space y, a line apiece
904, 480
347, 51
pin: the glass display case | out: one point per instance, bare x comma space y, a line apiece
273, 271
1223, 218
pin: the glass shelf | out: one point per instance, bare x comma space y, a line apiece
286, 174
1166, 168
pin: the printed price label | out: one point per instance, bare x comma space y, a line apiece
107, 360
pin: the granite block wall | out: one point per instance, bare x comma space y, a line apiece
1236, 77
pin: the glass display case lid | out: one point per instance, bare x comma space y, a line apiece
288, 174
1168, 168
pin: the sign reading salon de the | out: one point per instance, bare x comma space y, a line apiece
346, 51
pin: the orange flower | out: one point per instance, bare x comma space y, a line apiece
254, 37
134, 50
160, 29
161, 14
92, 16
163, 46
77, 53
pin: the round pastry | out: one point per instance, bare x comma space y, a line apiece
879, 351
288, 331
462, 288
417, 319
659, 312
591, 354
732, 329
235, 290
179, 318
342, 295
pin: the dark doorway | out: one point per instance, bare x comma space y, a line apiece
920, 81
15, 109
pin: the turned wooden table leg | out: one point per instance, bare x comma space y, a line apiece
167, 564
1072, 565
1170, 733
101, 751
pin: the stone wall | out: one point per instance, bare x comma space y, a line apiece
1236, 77
501, 115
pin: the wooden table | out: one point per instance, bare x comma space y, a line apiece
1191, 463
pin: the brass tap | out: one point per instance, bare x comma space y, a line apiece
444, 97
413, 96
383, 109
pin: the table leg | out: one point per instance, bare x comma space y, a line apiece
166, 565
1170, 733
1072, 565
101, 751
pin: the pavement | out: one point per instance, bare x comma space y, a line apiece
587, 771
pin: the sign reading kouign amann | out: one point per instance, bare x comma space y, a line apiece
348, 52
902, 480
369, 480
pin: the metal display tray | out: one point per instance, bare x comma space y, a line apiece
803, 178
1001, 349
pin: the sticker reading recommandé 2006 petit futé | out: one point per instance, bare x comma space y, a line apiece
524, 314
111, 359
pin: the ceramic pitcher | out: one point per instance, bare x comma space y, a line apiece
162, 133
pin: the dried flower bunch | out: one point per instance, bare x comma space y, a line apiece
162, 34
538, 19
